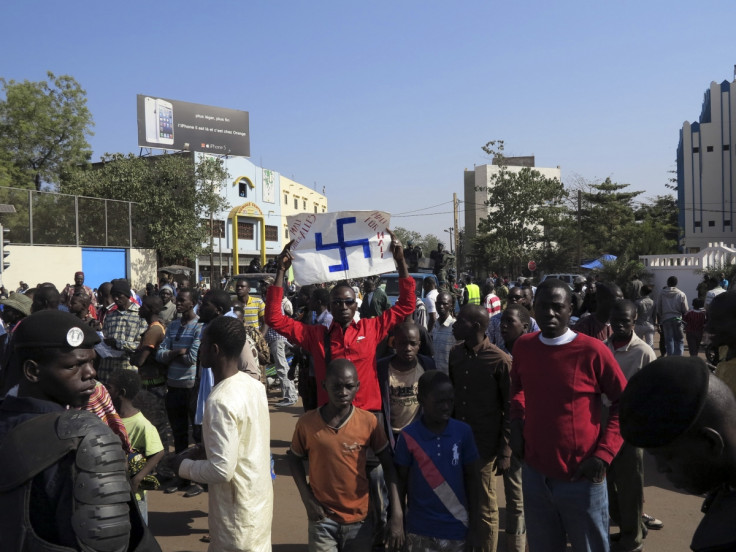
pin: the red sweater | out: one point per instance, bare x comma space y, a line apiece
357, 344
557, 391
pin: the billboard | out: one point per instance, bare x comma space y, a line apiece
175, 125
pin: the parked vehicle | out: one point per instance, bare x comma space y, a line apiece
390, 284
569, 279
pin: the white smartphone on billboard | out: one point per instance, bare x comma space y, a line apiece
165, 113
159, 115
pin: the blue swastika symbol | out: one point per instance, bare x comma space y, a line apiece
342, 244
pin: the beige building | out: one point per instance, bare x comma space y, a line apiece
478, 181
297, 198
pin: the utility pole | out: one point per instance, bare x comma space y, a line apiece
454, 213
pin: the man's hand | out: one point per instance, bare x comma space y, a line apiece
315, 510
135, 483
284, 259
196, 452
395, 532
593, 469
397, 250
503, 463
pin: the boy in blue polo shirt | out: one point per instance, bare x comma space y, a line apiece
439, 468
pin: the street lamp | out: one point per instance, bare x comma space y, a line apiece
452, 241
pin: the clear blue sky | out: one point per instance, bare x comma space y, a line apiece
385, 103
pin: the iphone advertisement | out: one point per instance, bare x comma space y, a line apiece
174, 125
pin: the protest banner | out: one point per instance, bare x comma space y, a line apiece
336, 246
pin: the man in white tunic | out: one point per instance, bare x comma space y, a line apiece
236, 438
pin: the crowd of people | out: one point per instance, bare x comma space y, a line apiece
411, 410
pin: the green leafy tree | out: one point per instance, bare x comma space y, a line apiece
174, 196
428, 243
608, 219
43, 130
523, 204
658, 227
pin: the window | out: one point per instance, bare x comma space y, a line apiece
709, 148
726, 223
245, 231
697, 224
696, 150
726, 147
243, 188
305, 204
272, 233
286, 199
315, 207
286, 232
218, 228
711, 223
296, 203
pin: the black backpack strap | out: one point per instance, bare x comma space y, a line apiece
29, 448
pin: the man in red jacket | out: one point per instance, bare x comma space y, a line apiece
557, 381
345, 338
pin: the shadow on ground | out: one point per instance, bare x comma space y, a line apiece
174, 524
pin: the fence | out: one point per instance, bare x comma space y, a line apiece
49, 218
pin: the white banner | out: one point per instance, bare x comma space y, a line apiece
336, 246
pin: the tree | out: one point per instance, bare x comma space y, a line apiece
608, 219
523, 204
428, 243
658, 226
43, 130
173, 193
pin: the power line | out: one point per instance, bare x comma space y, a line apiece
422, 209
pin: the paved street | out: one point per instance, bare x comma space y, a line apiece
179, 522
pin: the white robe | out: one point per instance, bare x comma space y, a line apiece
236, 436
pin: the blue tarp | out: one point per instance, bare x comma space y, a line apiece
597, 264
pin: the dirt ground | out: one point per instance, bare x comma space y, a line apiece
178, 523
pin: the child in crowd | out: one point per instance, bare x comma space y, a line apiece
336, 438
123, 386
399, 377
439, 469
694, 323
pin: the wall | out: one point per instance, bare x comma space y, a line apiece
143, 266
37, 264
687, 267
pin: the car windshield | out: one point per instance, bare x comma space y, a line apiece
390, 285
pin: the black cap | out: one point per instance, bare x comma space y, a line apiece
663, 400
121, 286
54, 328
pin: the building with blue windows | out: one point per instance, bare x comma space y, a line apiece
706, 176
254, 226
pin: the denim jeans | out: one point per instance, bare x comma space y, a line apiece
557, 511
143, 508
278, 354
674, 337
327, 535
